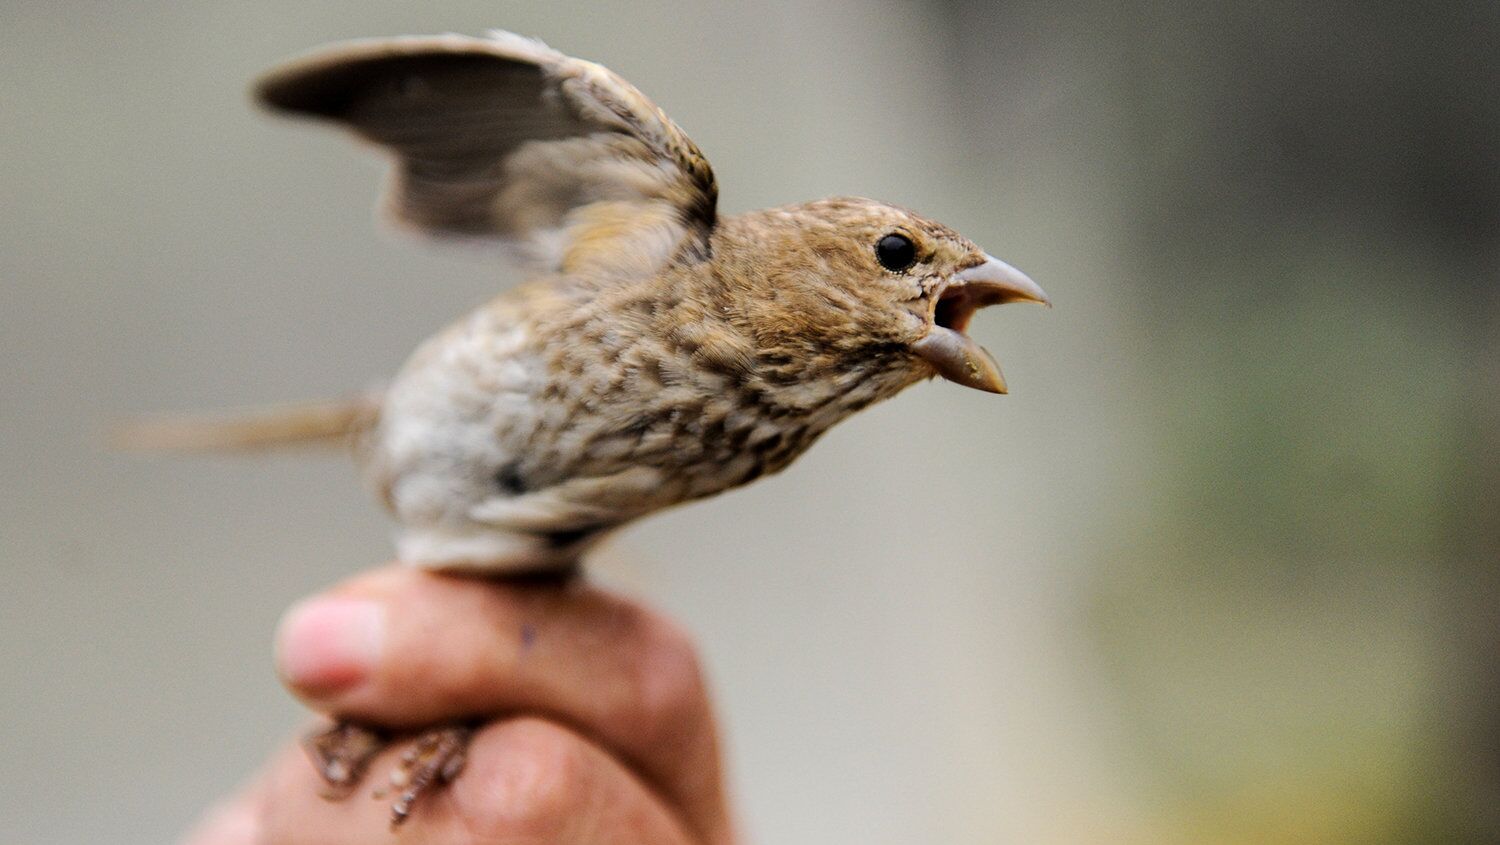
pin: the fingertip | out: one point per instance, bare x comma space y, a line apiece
328, 644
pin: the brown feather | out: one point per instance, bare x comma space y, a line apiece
660, 352
327, 423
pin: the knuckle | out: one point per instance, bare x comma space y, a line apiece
537, 777
664, 680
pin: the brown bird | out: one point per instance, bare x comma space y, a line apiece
659, 353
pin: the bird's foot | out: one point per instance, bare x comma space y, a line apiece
341, 754
437, 757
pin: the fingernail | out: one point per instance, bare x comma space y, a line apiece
327, 645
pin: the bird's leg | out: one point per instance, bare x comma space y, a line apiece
437, 757
342, 753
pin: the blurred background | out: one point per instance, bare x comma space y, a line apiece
1221, 569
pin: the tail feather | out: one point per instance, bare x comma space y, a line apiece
330, 423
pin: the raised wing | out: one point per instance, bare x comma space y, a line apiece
504, 137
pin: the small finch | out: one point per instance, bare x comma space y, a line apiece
659, 352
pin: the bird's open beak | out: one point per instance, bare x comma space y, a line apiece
955, 355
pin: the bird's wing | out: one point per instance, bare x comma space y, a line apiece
503, 137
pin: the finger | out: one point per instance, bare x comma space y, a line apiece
233, 822
404, 647
527, 782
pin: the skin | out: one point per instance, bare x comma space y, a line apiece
601, 727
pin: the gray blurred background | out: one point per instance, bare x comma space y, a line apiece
1221, 569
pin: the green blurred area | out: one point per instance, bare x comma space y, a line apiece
1300, 625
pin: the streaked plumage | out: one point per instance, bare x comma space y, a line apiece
659, 353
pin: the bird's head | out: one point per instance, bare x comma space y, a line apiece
855, 279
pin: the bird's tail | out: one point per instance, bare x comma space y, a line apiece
329, 423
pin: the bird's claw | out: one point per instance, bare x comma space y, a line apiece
436, 759
341, 754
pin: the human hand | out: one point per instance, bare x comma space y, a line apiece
601, 729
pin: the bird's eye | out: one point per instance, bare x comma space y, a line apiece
896, 252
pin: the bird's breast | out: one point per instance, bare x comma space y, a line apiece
517, 411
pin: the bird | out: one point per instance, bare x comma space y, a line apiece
658, 352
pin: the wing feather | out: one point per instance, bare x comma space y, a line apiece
503, 137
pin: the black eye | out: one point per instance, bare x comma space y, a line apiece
896, 252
